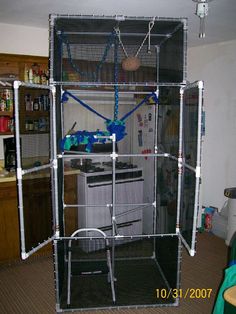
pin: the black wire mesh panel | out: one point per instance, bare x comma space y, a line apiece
188, 199
34, 126
190, 121
191, 103
168, 253
85, 50
167, 168
141, 268
167, 189
36, 187
168, 120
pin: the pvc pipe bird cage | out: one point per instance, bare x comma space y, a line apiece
122, 81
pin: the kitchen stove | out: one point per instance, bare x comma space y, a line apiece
88, 166
120, 165
95, 188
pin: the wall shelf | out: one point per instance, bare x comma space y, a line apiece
17, 66
6, 113
6, 133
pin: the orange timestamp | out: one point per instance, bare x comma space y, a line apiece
191, 293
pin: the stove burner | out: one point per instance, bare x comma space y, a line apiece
93, 169
120, 165
89, 167
124, 165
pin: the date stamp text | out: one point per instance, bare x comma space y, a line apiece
191, 293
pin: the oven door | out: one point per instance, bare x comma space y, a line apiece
128, 221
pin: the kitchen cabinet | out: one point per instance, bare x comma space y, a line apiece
9, 226
37, 192
9, 223
9, 71
6, 110
37, 205
34, 105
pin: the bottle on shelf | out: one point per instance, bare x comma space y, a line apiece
36, 77
44, 78
26, 74
42, 125
11, 125
36, 104
35, 74
30, 126
6, 100
36, 125
9, 100
30, 75
28, 103
2, 103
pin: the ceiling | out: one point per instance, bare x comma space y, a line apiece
220, 22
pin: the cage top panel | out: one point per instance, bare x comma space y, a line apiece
94, 29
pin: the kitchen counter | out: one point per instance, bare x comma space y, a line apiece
11, 176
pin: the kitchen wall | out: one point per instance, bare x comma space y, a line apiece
18, 39
215, 64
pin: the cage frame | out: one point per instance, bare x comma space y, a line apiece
57, 158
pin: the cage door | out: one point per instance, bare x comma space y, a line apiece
33, 107
191, 102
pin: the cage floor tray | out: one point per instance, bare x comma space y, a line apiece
136, 284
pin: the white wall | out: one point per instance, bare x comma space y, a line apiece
216, 65
18, 39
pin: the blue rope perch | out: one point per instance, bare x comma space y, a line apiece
66, 98
113, 126
93, 75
